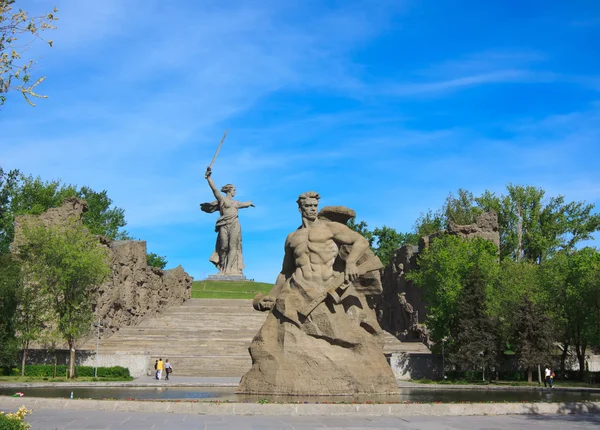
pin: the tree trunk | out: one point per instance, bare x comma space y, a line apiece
580, 349
529, 375
519, 235
55, 360
23, 361
539, 375
71, 359
563, 359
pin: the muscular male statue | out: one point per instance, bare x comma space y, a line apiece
320, 336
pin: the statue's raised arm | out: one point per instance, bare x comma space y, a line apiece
212, 185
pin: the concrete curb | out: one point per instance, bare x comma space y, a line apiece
235, 385
116, 385
276, 409
496, 388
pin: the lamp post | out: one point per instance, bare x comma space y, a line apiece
98, 325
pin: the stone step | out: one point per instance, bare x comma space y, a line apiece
205, 337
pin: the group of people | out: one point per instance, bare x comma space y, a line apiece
159, 366
549, 376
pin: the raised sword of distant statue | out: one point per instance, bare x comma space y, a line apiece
209, 168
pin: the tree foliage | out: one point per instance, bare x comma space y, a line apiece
18, 31
572, 285
32, 317
382, 240
155, 260
533, 336
443, 271
65, 262
388, 240
101, 218
26, 195
10, 286
362, 228
428, 223
461, 209
514, 281
473, 341
533, 228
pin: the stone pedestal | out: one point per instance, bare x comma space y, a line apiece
226, 278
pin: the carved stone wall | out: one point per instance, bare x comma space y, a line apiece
401, 310
136, 291
133, 291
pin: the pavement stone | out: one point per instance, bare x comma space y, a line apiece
52, 419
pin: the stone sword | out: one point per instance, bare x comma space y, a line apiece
209, 168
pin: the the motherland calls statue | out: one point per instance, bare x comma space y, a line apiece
320, 337
227, 256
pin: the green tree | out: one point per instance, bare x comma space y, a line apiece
31, 318
382, 240
388, 241
572, 282
443, 271
15, 28
66, 262
8, 183
514, 281
533, 336
533, 228
461, 209
10, 285
26, 195
428, 223
101, 218
474, 342
155, 260
363, 229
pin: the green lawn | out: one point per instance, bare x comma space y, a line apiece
228, 290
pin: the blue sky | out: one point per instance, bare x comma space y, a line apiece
381, 106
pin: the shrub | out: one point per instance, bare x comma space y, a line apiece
47, 371
14, 421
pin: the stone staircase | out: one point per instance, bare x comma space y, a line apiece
205, 337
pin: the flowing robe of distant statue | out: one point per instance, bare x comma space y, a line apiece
227, 256
320, 336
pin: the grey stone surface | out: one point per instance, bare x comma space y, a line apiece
44, 418
227, 256
320, 336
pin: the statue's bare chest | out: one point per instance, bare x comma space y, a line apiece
318, 239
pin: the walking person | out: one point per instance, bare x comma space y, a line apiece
168, 369
547, 377
160, 367
156, 370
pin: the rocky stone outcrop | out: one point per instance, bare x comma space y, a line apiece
72, 208
401, 311
136, 291
133, 291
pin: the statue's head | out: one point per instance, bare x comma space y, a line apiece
228, 189
308, 205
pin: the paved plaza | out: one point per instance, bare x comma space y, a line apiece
51, 419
